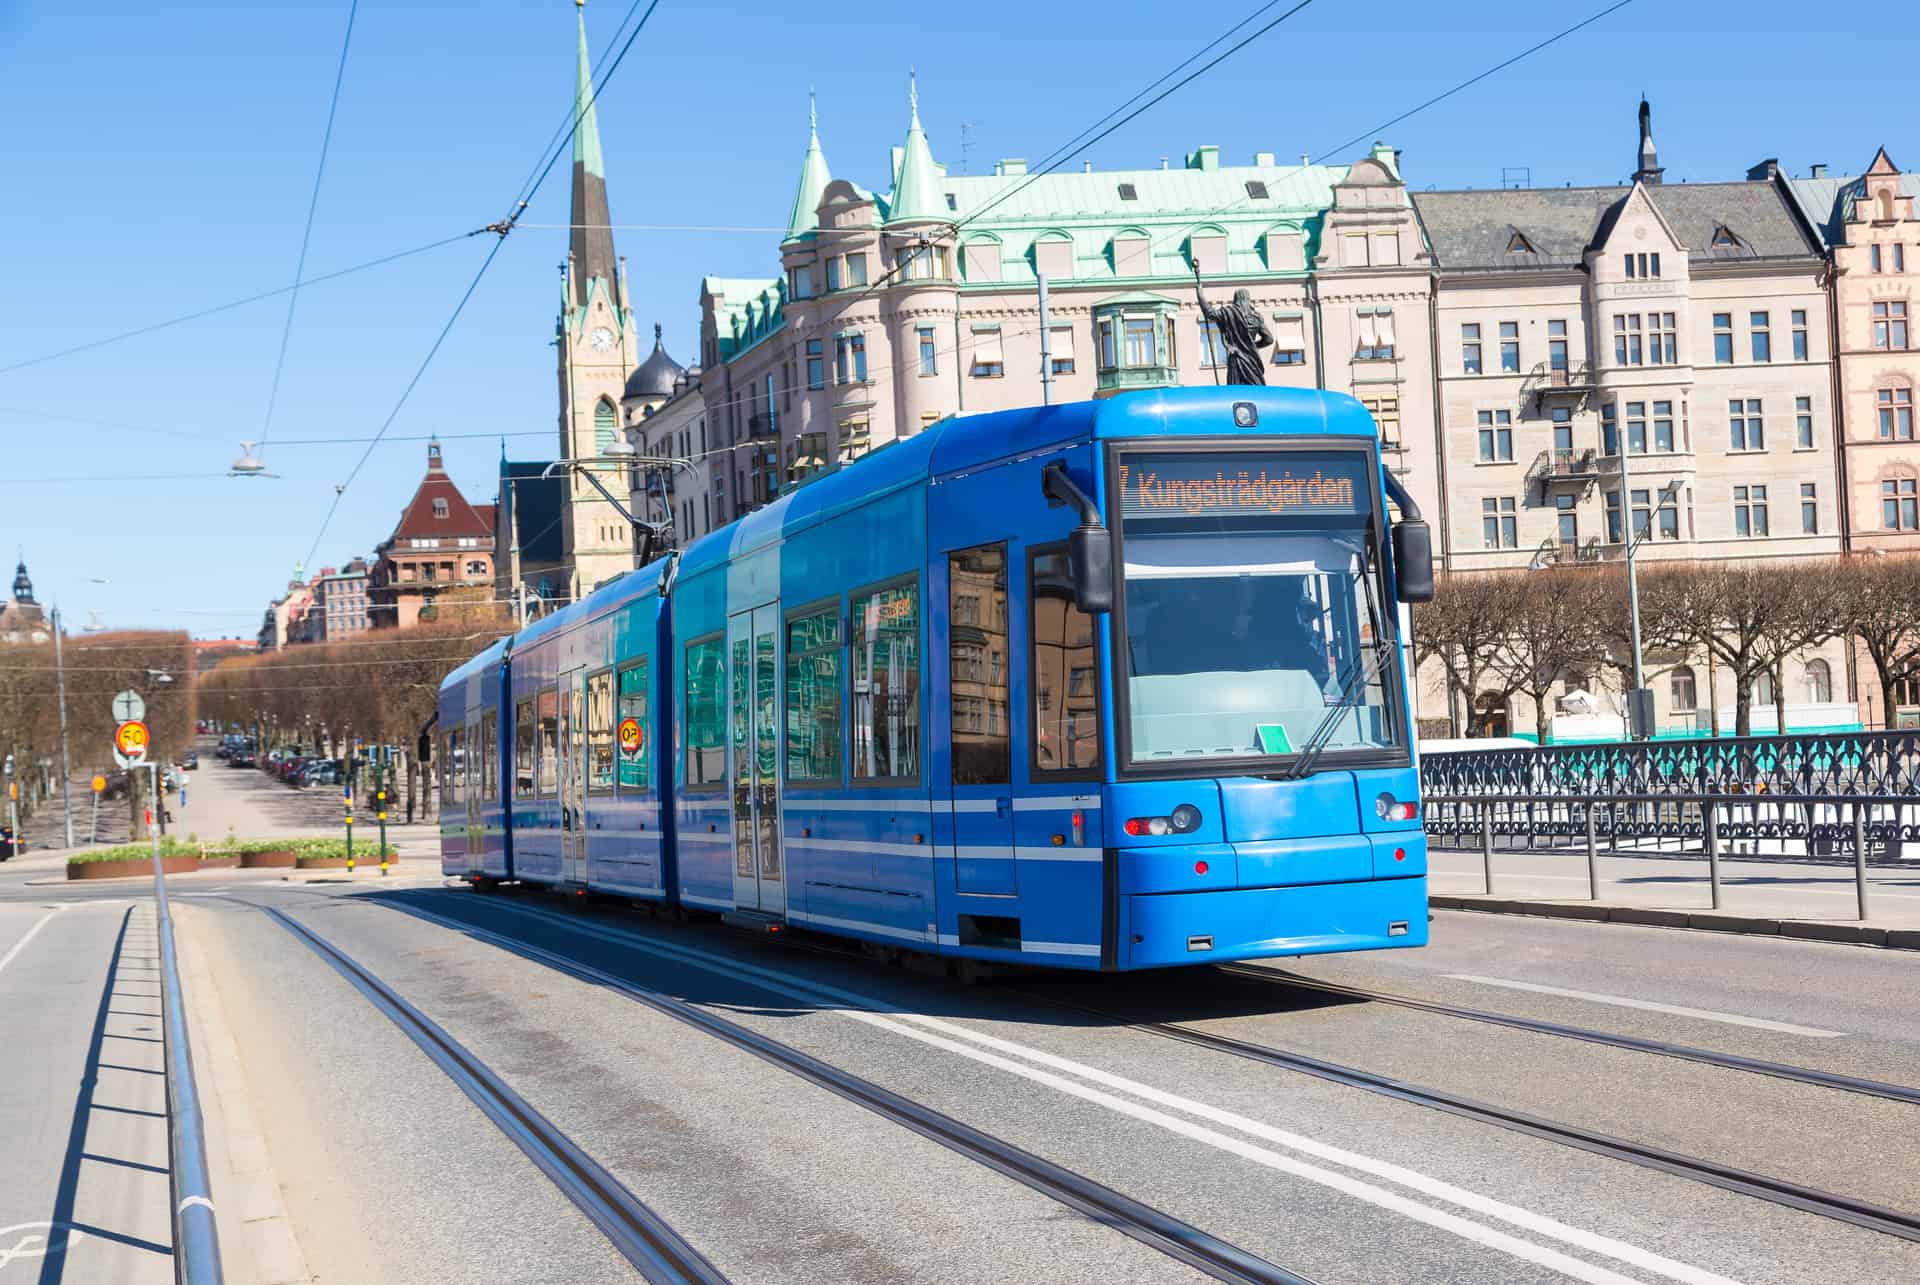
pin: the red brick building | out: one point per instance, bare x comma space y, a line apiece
441, 542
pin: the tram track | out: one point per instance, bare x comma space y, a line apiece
1778, 1191
1632, 1043
654, 1248
1204, 1252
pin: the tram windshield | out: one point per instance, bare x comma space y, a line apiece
1252, 607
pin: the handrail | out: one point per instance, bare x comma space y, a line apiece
196, 1237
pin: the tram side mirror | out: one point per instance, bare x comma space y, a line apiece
1413, 560
1090, 563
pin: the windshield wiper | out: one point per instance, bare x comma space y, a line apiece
1363, 668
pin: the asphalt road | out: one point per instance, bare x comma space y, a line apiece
389, 1172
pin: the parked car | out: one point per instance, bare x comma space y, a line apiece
190, 761
9, 846
319, 772
241, 757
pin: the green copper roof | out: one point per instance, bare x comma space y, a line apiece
814, 177
916, 189
586, 138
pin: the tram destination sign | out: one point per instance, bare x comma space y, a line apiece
1245, 484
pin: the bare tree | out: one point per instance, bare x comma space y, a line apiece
1879, 599
1462, 630
1551, 625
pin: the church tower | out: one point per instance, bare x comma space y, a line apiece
598, 350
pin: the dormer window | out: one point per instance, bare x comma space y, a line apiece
1518, 244
952, 203
1723, 239
1256, 190
1128, 192
439, 508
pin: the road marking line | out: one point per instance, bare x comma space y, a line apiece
879, 1013
21, 945
1677, 1010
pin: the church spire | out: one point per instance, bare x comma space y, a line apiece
814, 177
1649, 171
592, 241
916, 189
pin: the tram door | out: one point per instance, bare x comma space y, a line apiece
477, 757
573, 792
753, 683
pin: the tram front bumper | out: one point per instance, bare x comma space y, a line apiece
1164, 929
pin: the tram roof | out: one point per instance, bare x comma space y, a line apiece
476, 664
967, 442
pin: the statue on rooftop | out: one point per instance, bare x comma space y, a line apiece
1243, 333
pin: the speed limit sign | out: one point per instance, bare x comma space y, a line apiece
130, 743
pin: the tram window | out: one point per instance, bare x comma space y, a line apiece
634, 771
523, 749
1066, 713
451, 790
706, 713
490, 757
813, 696
547, 768
886, 684
600, 733
982, 746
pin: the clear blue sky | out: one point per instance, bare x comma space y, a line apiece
158, 159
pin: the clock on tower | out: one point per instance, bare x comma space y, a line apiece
601, 339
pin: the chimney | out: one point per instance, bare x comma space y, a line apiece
1818, 171
1012, 165
1263, 159
1766, 169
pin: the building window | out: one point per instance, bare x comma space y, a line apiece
1750, 511
813, 696
1386, 413
850, 359
1510, 346
1642, 265
833, 275
475, 569
1763, 688
1498, 527
989, 358
1562, 417
1568, 520
1747, 430
923, 263
1496, 436
1896, 414
1557, 347
1374, 338
928, 363
857, 269
1819, 683
1628, 349
1609, 430
1899, 257
816, 364
1637, 427
440, 508
1799, 334
1809, 509
1890, 325
1289, 340
1470, 348
1803, 423
1762, 336
1667, 514
1663, 426
1641, 501
1723, 338
1873, 257
1061, 343
1140, 347
1663, 340
1900, 504
1682, 693
1213, 351
802, 282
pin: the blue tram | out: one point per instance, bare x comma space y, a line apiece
1111, 685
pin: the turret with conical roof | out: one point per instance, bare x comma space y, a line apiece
814, 177
22, 583
591, 245
916, 188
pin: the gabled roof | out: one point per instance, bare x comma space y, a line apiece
1472, 229
417, 519
1827, 203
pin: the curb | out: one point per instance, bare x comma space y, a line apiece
1702, 921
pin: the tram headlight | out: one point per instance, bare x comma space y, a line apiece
1184, 819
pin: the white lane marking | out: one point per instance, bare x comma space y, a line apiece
21, 945
870, 1011
1677, 1010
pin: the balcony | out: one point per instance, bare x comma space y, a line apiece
1572, 465
1575, 380
763, 427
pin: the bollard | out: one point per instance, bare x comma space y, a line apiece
1486, 846
380, 802
1860, 856
1713, 852
1593, 871
348, 795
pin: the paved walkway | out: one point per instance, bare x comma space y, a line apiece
1776, 889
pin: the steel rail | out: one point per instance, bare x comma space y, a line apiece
1179, 1240
196, 1234
656, 1250
1634, 1043
1778, 1191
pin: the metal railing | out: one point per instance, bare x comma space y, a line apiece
196, 1236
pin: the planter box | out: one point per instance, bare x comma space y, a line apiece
219, 863
140, 867
360, 862
278, 859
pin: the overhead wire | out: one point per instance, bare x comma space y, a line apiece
306, 235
